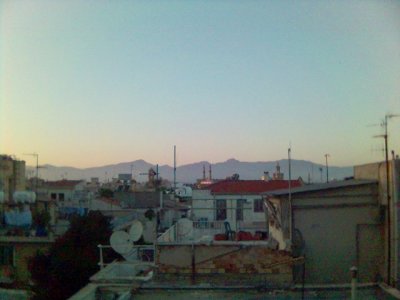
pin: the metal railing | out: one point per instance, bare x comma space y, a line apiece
202, 228
145, 253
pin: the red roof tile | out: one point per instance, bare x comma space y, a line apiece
250, 186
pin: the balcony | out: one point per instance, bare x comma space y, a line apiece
188, 231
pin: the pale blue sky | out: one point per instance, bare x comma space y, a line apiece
87, 83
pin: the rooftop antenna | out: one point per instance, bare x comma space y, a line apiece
157, 172
290, 193
37, 168
312, 172
174, 168
327, 168
320, 170
385, 136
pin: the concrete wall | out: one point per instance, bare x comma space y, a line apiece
330, 242
377, 171
328, 231
374, 171
396, 221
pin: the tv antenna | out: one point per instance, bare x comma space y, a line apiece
327, 168
37, 167
384, 124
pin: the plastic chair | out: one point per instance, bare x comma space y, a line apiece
230, 234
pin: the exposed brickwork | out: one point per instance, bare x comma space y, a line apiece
241, 260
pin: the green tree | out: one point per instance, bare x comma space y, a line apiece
71, 260
106, 193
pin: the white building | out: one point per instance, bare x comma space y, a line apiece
238, 202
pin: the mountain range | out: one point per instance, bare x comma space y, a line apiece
189, 173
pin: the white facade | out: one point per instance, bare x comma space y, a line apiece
241, 211
68, 195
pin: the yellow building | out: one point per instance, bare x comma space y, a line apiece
15, 252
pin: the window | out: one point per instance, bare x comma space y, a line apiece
221, 210
258, 205
53, 196
239, 209
61, 196
6, 255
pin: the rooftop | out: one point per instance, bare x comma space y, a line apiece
321, 186
250, 186
62, 183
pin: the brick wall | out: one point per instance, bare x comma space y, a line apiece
217, 259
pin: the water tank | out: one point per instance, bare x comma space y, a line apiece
184, 192
24, 197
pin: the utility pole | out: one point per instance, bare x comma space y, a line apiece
131, 171
327, 168
290, 197
174, 168
320, 171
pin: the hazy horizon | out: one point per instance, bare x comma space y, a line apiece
189, 163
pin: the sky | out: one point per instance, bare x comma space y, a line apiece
91, 83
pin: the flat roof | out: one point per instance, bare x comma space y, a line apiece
321, 187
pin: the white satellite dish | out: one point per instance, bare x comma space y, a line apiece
136, 230
121, 242
185, 229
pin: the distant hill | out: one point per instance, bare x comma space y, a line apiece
191, 172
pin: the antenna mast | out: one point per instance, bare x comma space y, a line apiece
388, 196
327, 168
290, 196
37, 168
174, 168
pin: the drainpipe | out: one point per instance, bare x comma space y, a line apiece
193, 265
395, 202
303, 278
353, 271
101, 263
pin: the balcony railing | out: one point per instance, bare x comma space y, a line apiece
206, 230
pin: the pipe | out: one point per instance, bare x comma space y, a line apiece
353, 271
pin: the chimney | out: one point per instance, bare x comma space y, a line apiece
204, 172
209, 172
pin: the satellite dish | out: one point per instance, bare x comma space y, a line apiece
121, 242
136, 230
185, 229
